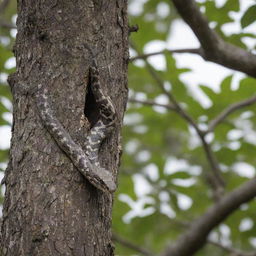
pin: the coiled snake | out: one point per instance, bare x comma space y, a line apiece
86, 162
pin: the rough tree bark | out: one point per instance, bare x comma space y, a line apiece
50, 208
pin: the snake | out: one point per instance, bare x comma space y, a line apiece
87, 160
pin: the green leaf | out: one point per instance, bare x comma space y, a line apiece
232, 5
5, 91
4, 155
249, 16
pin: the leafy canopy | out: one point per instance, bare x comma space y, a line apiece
163, 177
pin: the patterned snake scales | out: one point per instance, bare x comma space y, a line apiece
86, 162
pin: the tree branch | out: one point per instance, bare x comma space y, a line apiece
214, 122
152, 103
230, 109
189, 50
235, 252
214, 47
5, 24
216, 181
196, 235
130, 245
176, 105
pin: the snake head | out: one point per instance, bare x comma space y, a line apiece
107, 180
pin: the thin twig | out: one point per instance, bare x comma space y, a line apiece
189, 50
235, 252
176, 105
209, 154
217, 182
133, 28
130, 245
230, 109
152, 103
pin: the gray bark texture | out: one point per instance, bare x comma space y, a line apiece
49, 207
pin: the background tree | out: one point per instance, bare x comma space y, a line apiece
191, 164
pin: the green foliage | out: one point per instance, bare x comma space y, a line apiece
163, 175
249, 16
156, 139
6, 42
219, 16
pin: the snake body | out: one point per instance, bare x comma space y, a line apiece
86, 162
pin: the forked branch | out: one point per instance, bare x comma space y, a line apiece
196, 235
217, 182
229, 110
189, 50
214, 48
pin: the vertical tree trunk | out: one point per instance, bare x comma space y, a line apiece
50, 208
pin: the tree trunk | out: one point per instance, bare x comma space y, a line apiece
50, 208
